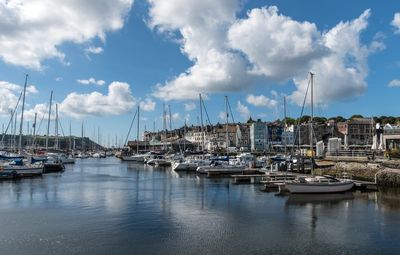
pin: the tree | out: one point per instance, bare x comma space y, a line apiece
319, 119
339, 119
289, 121
356, 116
304, 119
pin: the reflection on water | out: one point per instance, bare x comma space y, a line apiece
315, 199
103, 206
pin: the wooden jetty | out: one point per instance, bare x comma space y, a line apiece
363, 185
247, 178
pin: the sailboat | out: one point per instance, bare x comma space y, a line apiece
224, 166
191, 164
19, 166
136, 157
317, 184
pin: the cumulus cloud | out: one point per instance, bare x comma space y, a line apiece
340, 75
91, 81
277, 46
147, 105
119, 100
231, 54
176, 116
261, 101
42, 111
94, 50
9, 94
222, 116
243, 110
396, 22
190, 107
394, 83
201, 28
25, 24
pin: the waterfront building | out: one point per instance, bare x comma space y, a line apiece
357, 132
390, 137
258, 136
243, 136
288, 136
217, 141
274, 133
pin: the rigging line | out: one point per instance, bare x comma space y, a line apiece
205, 110
38, 130
230, 110
209, 122
12, 116
301, 115
62, 130
130, 128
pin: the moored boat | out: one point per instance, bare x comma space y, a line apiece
319, 184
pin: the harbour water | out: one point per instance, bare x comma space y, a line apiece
104, 206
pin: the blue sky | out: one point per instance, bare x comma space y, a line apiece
154, 52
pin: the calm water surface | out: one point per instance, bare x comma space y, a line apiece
104, 206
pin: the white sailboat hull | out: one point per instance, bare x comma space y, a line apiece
184, 166
25, 170
133, 158
227, 169
319, 187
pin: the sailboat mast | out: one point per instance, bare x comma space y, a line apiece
285, 122
22, 116
226, 128
34, 130
138, 123
48, 122
170, 117
56, 128
70, 137
82, 140
201, 120
311, 121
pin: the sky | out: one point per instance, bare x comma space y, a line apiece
103, 58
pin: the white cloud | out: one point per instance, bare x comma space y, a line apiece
176, 116
396, 22
277, 46
147, 105
190, 107
91, 81
340, 75
42, 111
32, 31
231, 54
58, 79
119, 100
9, 94
243, 110
394, 83
222, 116
202, 27
261, 101
94, 50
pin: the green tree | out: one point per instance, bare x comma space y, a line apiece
356, 116
319, 119
289, 121
304, 119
